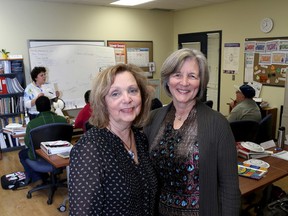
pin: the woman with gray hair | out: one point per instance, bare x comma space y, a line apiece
192, 146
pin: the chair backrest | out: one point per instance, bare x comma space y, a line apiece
87, 126
245, 130
209, 103
265, 132
50, 132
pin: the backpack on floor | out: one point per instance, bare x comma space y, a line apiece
271, 194
13, 181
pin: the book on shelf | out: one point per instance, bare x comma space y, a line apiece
251, 171
15, 129
13, 86
248, 154
56, 147
3, 86
7, 67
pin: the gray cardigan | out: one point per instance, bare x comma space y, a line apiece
219, 184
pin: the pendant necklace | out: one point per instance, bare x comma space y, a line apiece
130, 152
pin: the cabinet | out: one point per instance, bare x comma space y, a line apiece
12, 85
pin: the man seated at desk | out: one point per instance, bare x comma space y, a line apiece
244, 107
45, 116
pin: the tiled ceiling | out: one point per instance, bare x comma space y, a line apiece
169, 5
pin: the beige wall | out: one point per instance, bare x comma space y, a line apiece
39, 20
237, 20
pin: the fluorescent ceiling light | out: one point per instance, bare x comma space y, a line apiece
130, 2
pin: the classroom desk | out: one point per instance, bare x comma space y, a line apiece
55, 160
278, 169
248, 185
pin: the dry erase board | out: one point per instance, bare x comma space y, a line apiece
37, 43
71, 68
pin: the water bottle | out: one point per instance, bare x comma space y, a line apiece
281, 138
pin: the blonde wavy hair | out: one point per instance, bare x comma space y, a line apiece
100, 88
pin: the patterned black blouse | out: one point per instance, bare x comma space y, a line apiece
175, 155
104, 180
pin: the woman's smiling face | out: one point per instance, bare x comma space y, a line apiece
184, 84
123, 99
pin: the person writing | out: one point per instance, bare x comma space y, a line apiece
37, 88
191, 145
244, 107
110, 169
46, 116
84, 114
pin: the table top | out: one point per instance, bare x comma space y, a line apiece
55, 160
278, 169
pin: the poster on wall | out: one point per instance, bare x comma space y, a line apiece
266, 61
139, 53
231, 58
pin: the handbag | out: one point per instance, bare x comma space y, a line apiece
277, 208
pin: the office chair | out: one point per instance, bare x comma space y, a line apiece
48, 132
209, 103
244, 130
87, 126
265, 132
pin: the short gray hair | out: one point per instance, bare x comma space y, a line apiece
175, 61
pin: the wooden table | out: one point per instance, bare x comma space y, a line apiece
55, 160
278, 169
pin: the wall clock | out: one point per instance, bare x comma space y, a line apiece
266, 25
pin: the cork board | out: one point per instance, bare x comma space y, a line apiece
266, 61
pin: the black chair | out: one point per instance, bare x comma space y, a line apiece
209, 103
265, 132
87, 126
245, 130
48, 132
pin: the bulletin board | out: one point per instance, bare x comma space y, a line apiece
139, 53
266, 60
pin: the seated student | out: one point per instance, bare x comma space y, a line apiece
45, 116
244, 107
84, 114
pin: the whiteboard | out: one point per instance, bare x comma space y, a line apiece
37, 43
71, 68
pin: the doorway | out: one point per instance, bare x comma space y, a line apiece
209, 43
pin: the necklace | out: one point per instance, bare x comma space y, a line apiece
179, 117
128, 147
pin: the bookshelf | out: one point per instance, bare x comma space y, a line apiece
12, 85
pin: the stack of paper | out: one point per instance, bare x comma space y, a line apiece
56, 147
15, 129
283, 155
250, 150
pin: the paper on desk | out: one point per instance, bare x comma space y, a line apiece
283, 155
268, 144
